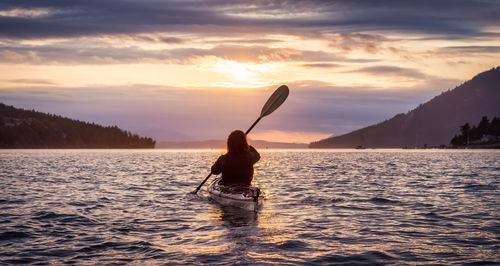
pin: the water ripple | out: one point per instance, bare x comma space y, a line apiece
341, 207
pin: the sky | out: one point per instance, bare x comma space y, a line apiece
196, 70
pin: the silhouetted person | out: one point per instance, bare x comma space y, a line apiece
236, 165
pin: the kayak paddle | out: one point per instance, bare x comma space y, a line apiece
277, 98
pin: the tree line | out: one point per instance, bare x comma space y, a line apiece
486, 132
21, 128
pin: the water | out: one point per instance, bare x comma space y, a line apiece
322, 207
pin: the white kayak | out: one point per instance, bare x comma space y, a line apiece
249, 198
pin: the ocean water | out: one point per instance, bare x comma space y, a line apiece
323, 207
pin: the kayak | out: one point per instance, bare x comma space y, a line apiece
249, 198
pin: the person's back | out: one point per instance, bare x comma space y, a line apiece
236, 165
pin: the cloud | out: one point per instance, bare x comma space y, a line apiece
78, 54
246, 41
348, 41
321, 65
391, 71
171, 40
471, 49
75, 18
396, 74
32, 81
75, 53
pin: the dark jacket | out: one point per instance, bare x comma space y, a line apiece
236, 169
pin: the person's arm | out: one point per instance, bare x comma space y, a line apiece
217, 167
255, 154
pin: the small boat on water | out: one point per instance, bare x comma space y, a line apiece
249, 198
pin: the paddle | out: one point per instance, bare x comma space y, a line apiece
277, 98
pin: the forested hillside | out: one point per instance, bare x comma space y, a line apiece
433, 123
21, 128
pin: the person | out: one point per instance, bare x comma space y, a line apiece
236, 165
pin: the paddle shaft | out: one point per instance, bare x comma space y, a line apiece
209, 175
254, 123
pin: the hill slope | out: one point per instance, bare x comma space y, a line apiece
433, 123
30, 129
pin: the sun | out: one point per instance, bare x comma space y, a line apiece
240, 74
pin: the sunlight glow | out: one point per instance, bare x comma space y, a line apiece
238, 74
288, 136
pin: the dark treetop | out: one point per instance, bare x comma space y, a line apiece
485, 135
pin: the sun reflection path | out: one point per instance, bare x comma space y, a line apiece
248, 234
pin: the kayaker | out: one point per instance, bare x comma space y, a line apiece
236, 165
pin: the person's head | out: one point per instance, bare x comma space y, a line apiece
237, 142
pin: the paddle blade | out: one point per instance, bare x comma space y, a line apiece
279, 96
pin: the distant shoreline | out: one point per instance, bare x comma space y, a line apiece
221, 144
260, 149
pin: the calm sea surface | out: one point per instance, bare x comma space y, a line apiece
322, 207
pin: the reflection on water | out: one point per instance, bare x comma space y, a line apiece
236, 217
322, 207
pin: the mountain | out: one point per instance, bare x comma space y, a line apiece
221, 144
21, 128
431, 124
